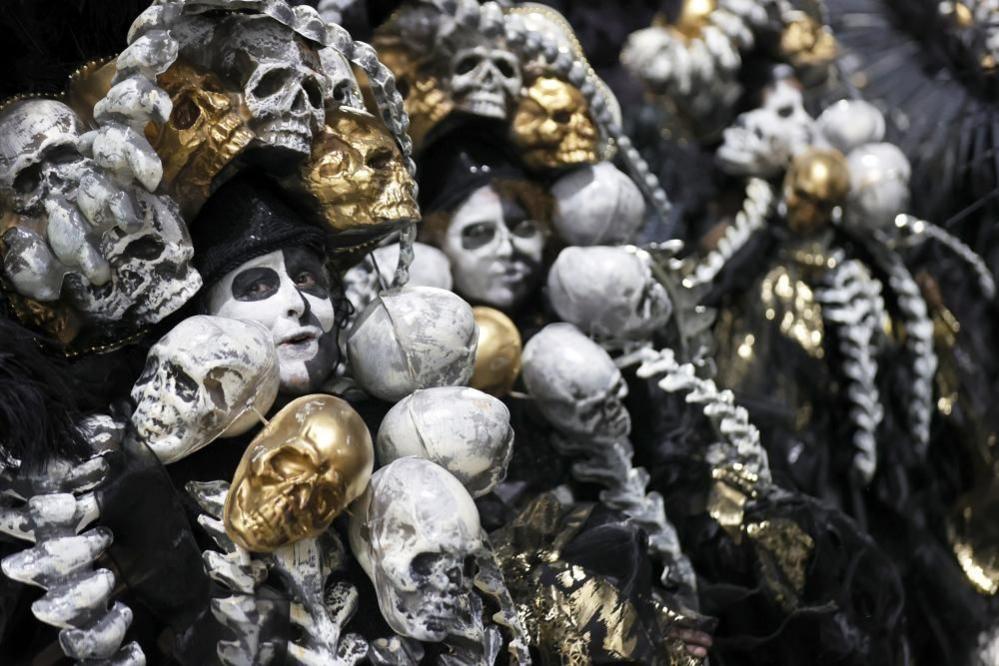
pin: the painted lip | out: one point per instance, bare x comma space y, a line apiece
302, 342
511, 272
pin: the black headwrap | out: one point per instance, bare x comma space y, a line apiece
246, 218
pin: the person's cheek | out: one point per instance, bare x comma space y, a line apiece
323, 310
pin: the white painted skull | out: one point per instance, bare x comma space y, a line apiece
575, 383
282, 79
485, 80
465, 431
412, 338
151, 272
597, 205
763, 141
608, 292
415, 532
430, 268
202, 380
879, 185
849, 124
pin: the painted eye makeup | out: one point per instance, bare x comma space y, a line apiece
255, 284
477, 235
307, 272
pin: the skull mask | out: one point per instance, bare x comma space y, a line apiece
553, 127
815, 187
464, 431
151, 272
357, 177
283, 84
204, 133
575, 383
608, 291
313, 459
597, 205
763, 141
412, 338
203, 379
416, 532
485, 80
40, 166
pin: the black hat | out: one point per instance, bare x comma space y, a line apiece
463, 160
246, 218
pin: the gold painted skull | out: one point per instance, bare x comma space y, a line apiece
313, 459
425, 100
552, 126
816, 184
206, 130
356, 175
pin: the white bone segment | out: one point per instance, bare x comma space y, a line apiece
62, 563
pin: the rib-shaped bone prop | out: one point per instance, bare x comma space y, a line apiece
304, 566
62, 562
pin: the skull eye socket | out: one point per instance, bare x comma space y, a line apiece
424, 564
380, 159
28, 180
149, 371
785, 111
466, 64
185, 114
270, 83
290, 463
185, 387
506, 68
562, 117
147, 247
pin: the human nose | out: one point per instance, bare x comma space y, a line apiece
504, 242
293, 302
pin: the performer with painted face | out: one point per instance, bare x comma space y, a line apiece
262, 262
488, 217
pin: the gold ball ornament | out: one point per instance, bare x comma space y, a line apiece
497, 357
816, 183
300, 472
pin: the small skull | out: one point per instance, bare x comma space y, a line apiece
575, 383
597, 205
357, 177
815, 188
282, 79
204, 133
552, 126
464, 431
849, 124
412, 338
763, 141
609, 292
416, 533
313, 459
879, 185
485, 80
151, 272
208, 377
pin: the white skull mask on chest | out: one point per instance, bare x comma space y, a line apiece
575, 383
288, 292
415, 532
203, 379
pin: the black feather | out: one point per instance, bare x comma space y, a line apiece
38, 409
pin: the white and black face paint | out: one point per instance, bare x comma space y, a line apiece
288, 292
495, 249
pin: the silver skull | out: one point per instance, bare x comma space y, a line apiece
763, 141
597, 205
151, 272
415, 532
282, 79
485, 80
412, 338
465, 431
208, 377
879, 185
608, 292
575, 383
